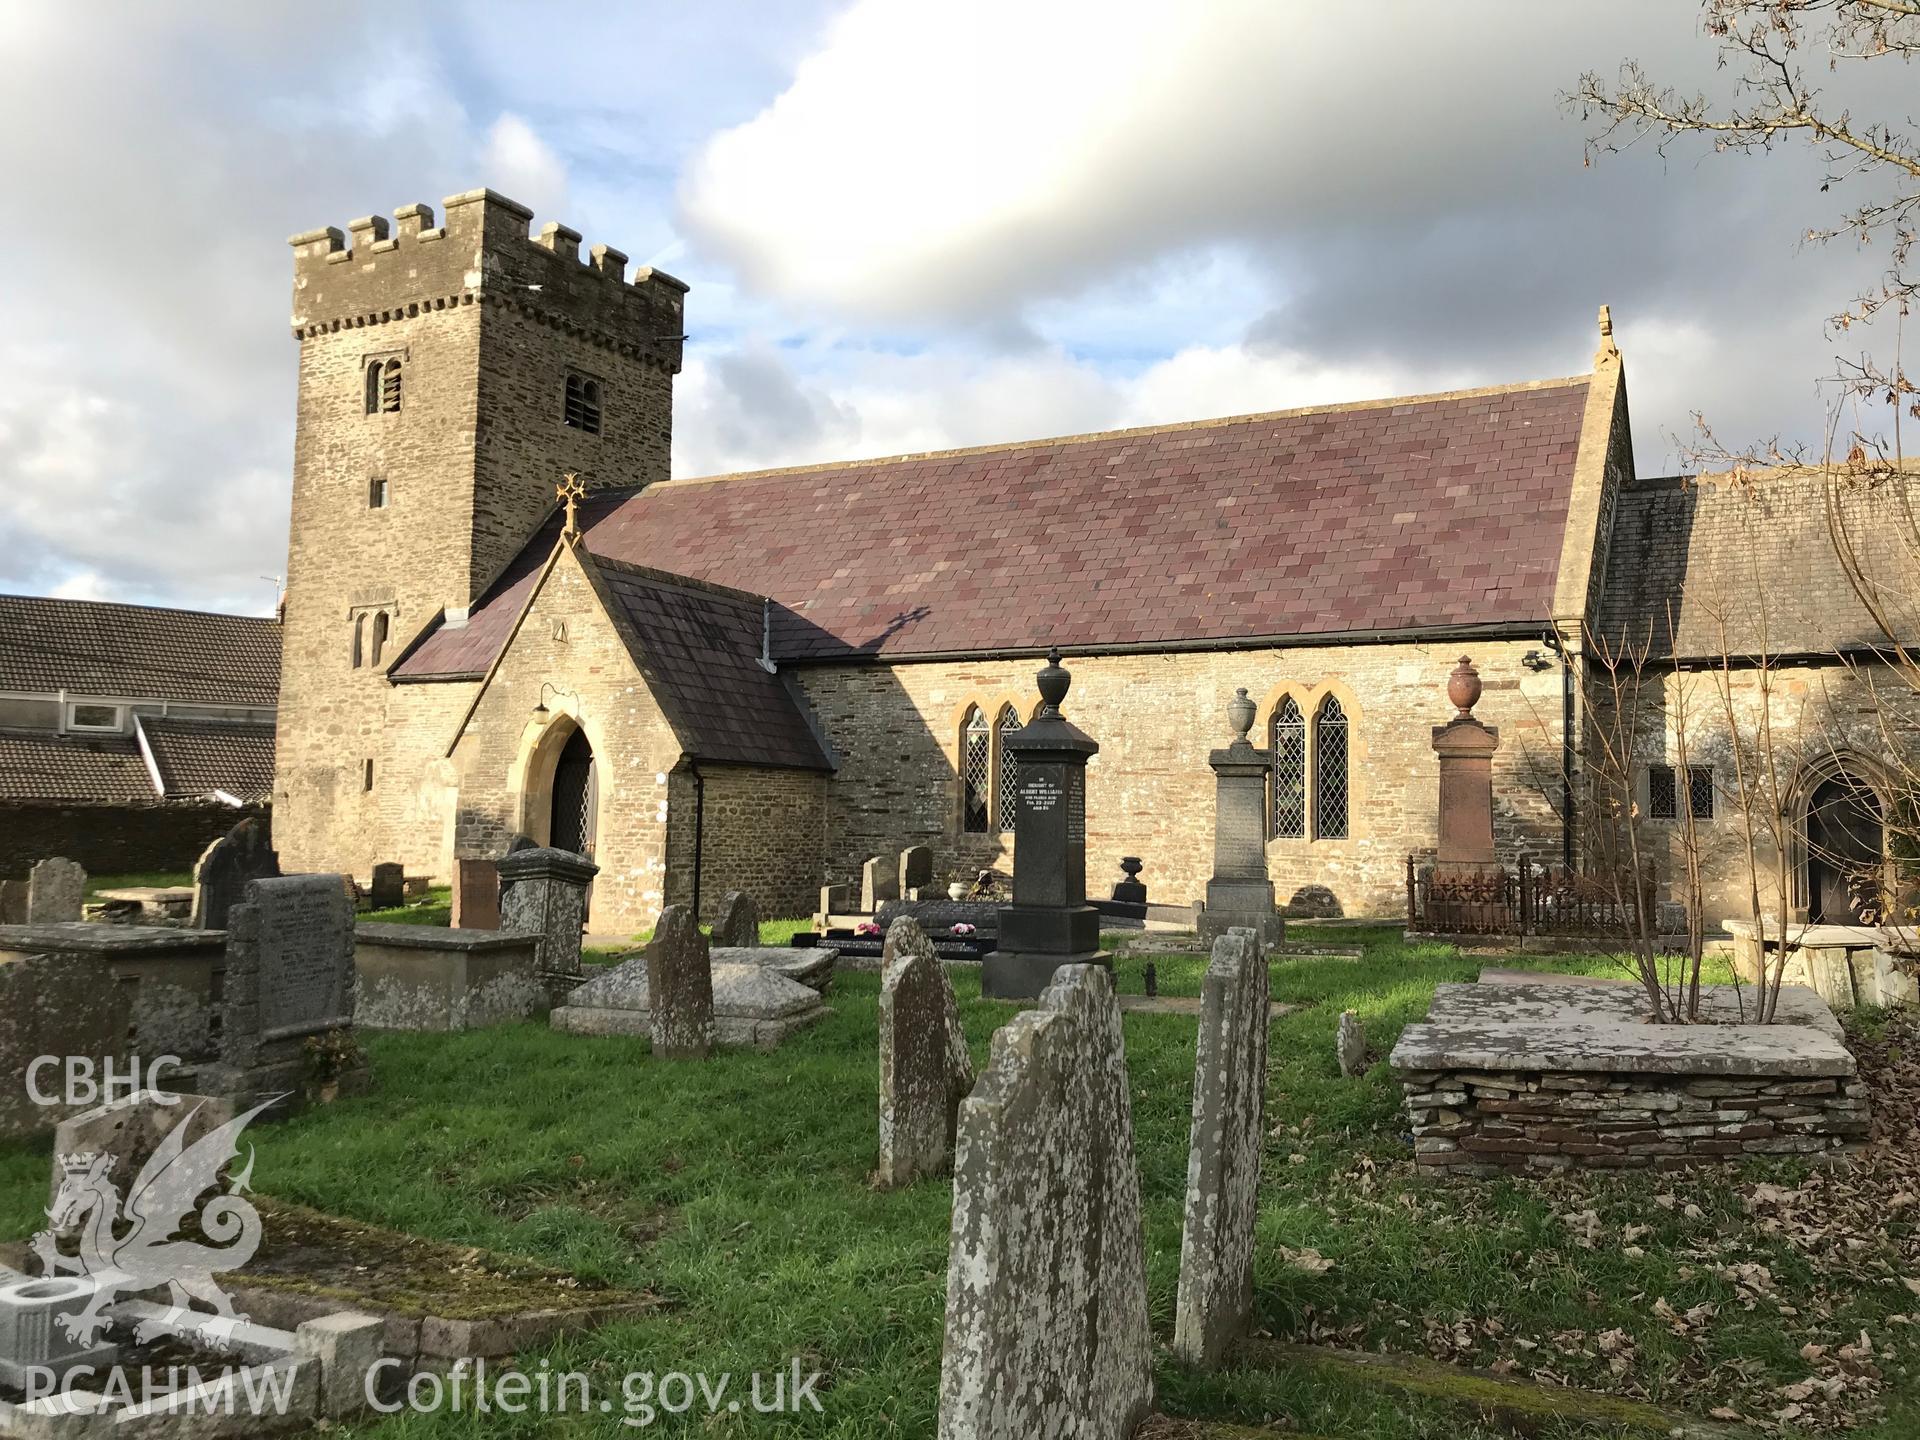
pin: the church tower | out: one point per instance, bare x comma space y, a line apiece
448, 374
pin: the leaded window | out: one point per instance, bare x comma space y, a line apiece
1663, 798
1700, 791
1330, 771
1289, 742
976, 743
1009, 772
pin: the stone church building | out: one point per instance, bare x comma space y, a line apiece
759, 680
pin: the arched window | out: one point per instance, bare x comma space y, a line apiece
976, 771
379, 634
359, 641
583, 404
1289, 743
1330, 771
383, 387
1008, 771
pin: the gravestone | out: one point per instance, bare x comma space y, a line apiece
225, 869
56, 889
938, 916
56, 1005
130, 1129
925, 1069
1215, 1299
13, 902
739, 922
1350, 1045
543, 892
1239, 894
1049, 923
476, 895
289, 976
916, 871
879, 883
680, 987
1046, 1330
388, 890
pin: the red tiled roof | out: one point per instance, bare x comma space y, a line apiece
1400, 515
198, 757
137, 652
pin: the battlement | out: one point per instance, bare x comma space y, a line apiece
377, 272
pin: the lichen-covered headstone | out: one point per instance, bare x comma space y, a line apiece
13, 902
1350, 1044
132, 1127
916, 871
56, 889
739, 922
680, 987
226, 867
1223, 1162
389, 888
1046, 1277
879, 883
543, 892
57, 1005
925, 1070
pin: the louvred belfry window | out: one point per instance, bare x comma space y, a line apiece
976, 745
583, 404
383, 387
1289, 742
1330, 771
1009, 772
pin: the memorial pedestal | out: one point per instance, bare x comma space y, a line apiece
1239, 896
1049, 923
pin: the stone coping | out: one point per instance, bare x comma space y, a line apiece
1599, 1029
84, 937
150, 894
439, 937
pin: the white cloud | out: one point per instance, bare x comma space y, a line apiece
517, 162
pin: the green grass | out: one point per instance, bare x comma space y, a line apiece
433, 908
737, 1190
139, 880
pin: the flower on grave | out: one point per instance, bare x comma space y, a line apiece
866, 927
962, 929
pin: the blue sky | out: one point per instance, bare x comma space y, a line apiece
905, 225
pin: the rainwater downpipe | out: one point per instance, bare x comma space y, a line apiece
699, 832
1569, 752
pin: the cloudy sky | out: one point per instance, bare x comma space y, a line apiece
905, 225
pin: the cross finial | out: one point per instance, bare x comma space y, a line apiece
570, 492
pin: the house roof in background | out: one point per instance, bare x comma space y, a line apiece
105, 770
1395, 515
698, 648
198, 757
92, 647
1698, 565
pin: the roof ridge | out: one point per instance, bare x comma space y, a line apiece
133, 605
669, 578
1088, 436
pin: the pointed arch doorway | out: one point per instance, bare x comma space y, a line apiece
1846, 851
575, 813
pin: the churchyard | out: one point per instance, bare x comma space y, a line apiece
737, 1195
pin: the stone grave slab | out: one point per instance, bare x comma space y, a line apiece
430, 977
1215, 1300
925, 1068
57, 1005
131, 1129
811, 966
753, 1007
1046, 1328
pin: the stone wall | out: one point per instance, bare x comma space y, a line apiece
113, 839
1150, 792
1521, 1122
761, 831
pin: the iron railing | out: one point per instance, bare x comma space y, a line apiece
1530, 899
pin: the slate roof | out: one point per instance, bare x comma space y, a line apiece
1398, 515
198, 757
104, 770
698, 648
137, 652
1688, 553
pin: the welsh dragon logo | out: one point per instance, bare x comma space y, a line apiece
133, 1244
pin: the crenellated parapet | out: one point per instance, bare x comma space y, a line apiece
377, 272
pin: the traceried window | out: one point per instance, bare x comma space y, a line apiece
583, 404
1009, 771
1663, 792
1289, 744
1700, 791
976, 771
1330, 771
383, 387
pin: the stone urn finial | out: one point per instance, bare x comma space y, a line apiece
1054, 682
1463, 687
1240, 712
